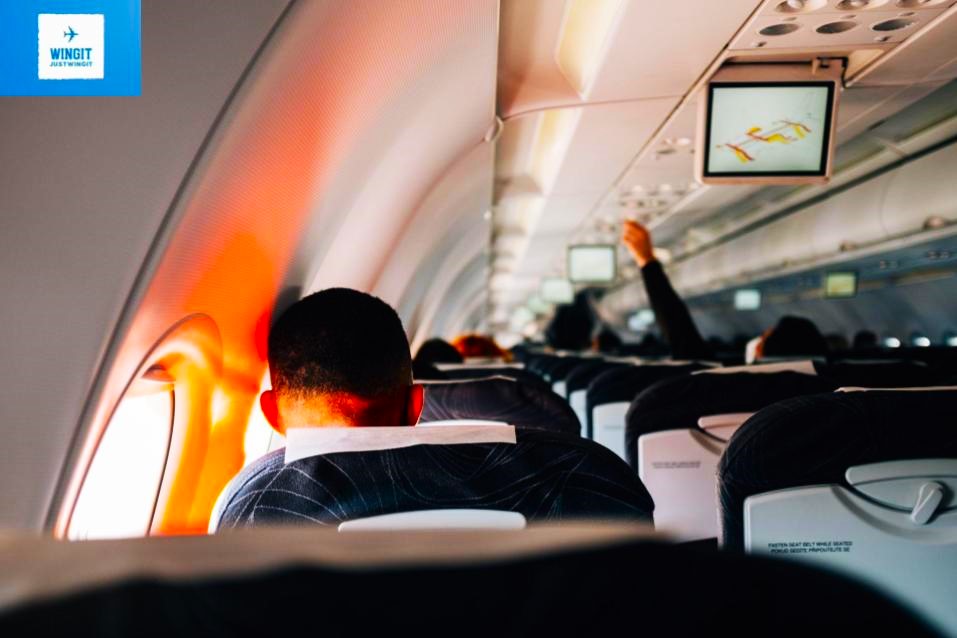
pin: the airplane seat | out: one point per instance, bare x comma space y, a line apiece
576, 385
499, 399
878, 373
327, 476
677, 429
463, 373
814, 439
860, 482
621, 385
557, 373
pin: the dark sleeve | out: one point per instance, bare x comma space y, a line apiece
672, 316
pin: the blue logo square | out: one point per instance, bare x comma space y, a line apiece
70, 47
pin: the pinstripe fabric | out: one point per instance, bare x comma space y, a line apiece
544, 476
812, 440
503, 400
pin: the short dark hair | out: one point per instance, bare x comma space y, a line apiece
339, 340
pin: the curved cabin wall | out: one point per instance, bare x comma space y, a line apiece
303, 159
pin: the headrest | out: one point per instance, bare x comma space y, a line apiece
933, 388
496, 399
802, 367
303, 443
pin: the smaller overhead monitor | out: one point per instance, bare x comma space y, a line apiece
592, 263
768, 124
840, 285
557, 290
747, 299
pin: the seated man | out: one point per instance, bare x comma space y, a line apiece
340, 359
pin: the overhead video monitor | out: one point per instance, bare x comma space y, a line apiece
557, 291
592, 263
747, 299
840, 285
775, 128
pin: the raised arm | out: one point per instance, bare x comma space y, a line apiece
675, 322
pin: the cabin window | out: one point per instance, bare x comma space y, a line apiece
120, 490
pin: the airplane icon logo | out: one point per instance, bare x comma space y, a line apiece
70, 34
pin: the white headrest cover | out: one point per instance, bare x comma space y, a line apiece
302, 443
803, 367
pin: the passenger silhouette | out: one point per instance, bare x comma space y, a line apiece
671, 314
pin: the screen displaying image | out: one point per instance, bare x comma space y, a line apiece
747, 299
593, 264
840, 284
557, 291
768, 129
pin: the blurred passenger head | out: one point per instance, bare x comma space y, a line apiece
793, 336
339, 357
572, 325
606, 341
437, 350
865, 339
476, 346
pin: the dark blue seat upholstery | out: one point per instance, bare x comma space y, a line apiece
544, 476
677, 403
812, 440
499, 399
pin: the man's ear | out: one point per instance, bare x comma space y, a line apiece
267, 401
414, 403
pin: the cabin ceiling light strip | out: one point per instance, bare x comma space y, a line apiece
585, 35
556, 127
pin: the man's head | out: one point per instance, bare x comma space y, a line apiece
340, 357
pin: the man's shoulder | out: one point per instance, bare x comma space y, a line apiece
262, 468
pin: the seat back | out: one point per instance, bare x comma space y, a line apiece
678, 468
498, 399
544, 476
892, 524
813, 440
